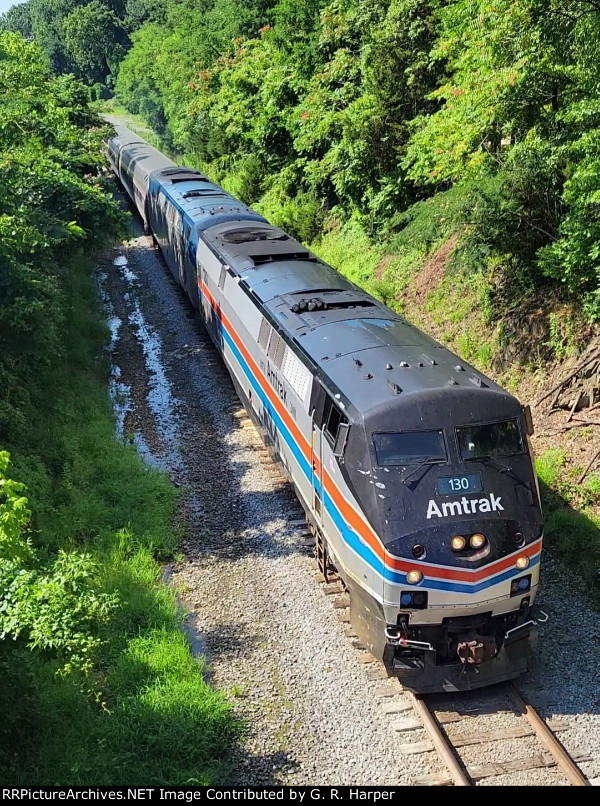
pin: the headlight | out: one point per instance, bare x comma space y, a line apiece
477, 541
522, 563
414, 577
458, 543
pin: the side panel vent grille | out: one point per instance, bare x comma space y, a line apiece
276, 349
263, 334
279, 353
296, 374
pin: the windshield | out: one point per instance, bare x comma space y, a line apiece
409, 448
490, 440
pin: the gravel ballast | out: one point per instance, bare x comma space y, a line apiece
314, 712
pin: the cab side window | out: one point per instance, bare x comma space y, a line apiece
335, 426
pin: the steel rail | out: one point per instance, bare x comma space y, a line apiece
440, 742
563, 761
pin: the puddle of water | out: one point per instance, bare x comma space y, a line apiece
130, 276
161, 400
114, 324
120, 396
146, 452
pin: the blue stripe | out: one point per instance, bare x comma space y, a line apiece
348, 535
281, 426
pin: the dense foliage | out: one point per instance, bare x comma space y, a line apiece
364, 108
97, 682
54, 606
51, 200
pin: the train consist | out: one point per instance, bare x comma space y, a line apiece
413, 468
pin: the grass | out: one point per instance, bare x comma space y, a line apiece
572, 527
369, 265
146, 715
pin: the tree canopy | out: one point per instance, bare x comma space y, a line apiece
367, 108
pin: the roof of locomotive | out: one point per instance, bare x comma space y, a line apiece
371, 354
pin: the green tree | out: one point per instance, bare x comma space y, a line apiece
47, 18
18, 20
95, 40
50, 200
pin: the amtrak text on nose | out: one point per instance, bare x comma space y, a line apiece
466, 506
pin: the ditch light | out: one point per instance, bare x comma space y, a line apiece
415, 600
520, 585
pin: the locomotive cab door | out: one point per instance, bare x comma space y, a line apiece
317, 472
319, 397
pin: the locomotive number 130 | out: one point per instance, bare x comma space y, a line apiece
459, 483
447, 485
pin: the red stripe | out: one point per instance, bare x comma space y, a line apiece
465, 574
283, 413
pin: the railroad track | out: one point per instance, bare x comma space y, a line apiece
524, 724
457, 725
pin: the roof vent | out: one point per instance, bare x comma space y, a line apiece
367, 377
459, 368
192, 194
452, 382
171, 171
394, 388
477, 381
248, 235
404, 364
183, 175
389, 366
317, 304
260, 260
358, 362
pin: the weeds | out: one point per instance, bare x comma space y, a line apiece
571, 526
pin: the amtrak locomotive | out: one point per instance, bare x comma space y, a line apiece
414, 469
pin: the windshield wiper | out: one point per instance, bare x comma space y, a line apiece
498, 465
426, 463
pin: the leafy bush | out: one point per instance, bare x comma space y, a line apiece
82, 607
53, 605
